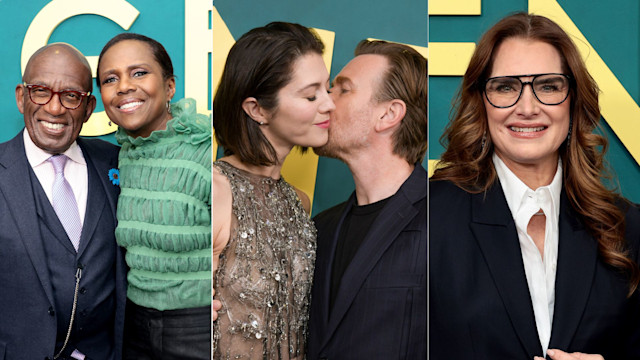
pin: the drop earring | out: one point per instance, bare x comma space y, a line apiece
169, 106
570, 127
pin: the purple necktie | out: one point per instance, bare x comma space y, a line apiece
64, 202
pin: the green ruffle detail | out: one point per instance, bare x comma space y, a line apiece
186, 120
164, 211
168, 294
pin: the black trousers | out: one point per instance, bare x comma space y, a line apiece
183, 334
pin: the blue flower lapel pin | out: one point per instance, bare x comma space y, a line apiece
114, 176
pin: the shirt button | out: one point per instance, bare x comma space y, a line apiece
83, 290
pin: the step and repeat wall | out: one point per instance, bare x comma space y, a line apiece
183, 28
341, 25
198, 34
608, 36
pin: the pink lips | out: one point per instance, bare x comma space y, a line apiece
324, 124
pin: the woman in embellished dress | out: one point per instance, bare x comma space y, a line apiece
273, 96
164, 217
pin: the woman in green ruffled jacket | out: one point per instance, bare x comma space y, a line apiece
164, 208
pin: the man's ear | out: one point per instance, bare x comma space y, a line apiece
251, 106
393, 112
20, 97
91, 105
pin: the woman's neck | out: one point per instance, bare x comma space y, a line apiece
272, 171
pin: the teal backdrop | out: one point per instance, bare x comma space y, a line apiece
611, 27
351, 21
163, 20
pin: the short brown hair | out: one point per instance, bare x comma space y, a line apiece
406, 80
259, 64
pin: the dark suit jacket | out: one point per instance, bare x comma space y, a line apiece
28, 321
380, 308
479, 302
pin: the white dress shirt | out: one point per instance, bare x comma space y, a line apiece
541, 272
75, 171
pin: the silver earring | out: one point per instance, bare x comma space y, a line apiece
570, 127
261, 123
169, 106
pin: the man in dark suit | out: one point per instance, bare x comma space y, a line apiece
62, 275
369, 291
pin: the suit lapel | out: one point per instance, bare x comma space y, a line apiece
49, 217
393, 218
324, 260
496, 234
95, 203
577, 260
15, 186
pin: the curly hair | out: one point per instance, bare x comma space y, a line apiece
467, 160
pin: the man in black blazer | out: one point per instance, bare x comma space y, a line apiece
44, 277
369, 288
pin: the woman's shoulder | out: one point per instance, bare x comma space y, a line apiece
445, 189
632, 221
304, 199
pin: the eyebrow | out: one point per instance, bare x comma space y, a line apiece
130, 67
42, 83
339, 80
314, 85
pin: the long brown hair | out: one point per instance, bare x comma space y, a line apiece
467, 159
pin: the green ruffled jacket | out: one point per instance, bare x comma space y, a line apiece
164, 211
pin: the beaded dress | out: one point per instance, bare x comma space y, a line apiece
265, 271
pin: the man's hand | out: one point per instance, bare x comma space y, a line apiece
556, 354
216, 305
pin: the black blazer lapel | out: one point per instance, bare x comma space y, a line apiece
101, 164
96, 199
324, 260
393, 218
495, 231
577, 261
15, 186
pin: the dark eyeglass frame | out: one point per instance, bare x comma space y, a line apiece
525, 83
81, 94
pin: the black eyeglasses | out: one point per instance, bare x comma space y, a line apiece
41, 95
505, 91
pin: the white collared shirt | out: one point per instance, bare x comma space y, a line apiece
75, 171
541, 273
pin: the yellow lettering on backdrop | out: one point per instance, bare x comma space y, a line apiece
454, 7
222, 43
301, 169
57, 11
197, 47
449, 59
298, 169
617, 106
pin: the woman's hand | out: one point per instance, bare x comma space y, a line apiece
216, 306
556, 354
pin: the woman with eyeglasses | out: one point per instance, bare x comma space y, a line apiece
164, 207
531, 255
